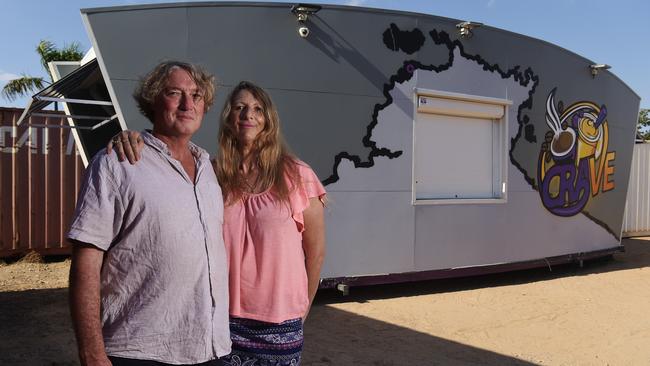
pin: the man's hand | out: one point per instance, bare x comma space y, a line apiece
85, 303
127, 144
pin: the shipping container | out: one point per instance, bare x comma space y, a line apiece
40, 173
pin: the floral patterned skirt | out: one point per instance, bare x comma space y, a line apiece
256, 343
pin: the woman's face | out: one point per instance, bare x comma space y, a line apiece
247, 117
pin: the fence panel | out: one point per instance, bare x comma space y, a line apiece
636, 221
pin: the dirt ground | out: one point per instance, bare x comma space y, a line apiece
595, 315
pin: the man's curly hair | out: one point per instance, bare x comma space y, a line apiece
153, 84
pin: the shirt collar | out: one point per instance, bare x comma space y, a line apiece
151, 140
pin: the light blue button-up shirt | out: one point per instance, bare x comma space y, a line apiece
164, 293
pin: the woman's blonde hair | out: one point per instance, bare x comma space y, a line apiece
269, 152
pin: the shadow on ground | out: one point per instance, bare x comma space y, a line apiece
367, 341
35, 329
336, 337
35, 325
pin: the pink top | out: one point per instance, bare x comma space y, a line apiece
263, 238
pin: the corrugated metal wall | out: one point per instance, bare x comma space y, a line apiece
40, 173
637, 211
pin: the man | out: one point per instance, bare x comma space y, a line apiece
148, 281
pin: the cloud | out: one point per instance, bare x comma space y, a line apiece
491, 3
355, 2
6, 76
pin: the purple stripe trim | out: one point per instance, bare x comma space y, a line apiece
467, 271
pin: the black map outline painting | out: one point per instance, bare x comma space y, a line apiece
410, 42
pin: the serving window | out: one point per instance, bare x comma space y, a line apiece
460, 148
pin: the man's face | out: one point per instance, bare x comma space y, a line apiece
180, 107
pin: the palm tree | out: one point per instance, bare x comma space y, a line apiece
48, 52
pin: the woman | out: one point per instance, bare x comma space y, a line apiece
273, 230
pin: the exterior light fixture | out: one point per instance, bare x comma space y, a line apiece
302, 12
465, 28
596, 68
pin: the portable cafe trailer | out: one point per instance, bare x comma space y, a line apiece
447, 147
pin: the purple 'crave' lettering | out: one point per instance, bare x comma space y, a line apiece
573, 191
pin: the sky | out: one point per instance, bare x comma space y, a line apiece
616, 33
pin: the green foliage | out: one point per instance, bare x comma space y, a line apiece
643, 125
48, 52
21, 86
